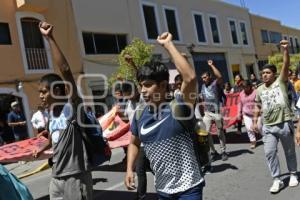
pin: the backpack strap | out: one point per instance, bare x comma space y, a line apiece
178, 111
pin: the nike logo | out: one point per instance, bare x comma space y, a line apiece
145, 131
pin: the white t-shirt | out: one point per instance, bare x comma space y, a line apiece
39, 119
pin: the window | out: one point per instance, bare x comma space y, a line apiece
199, 25
36, 53
292, 45
96, 43
275, 37
265, 36
4, 34
244, 33
150, 21
233, 29
214, 30
297, 45
170, 16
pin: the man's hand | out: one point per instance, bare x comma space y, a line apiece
255, 128
35, 153
165, 39
297, 138
284, 44
129, 60
46, 29
210, 62
129, 180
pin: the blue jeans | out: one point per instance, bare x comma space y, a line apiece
194, 193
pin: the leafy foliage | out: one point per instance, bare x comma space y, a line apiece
277, 60
140, 52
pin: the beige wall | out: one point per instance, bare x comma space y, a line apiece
259, 23
125, 17
57, 12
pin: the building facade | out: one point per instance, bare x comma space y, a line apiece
92, 33
267, 38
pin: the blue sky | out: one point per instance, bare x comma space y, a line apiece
287, 11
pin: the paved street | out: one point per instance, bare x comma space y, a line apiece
243, 176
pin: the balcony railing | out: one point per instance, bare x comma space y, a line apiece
37, 59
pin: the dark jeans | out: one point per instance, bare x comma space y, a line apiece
194, 193
141, 168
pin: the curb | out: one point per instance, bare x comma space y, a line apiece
43, 167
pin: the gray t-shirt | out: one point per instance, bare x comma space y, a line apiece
210, 96
69, 152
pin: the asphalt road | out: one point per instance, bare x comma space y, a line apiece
244, 176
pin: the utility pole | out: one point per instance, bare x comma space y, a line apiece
243, 4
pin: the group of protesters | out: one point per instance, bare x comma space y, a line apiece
166, 128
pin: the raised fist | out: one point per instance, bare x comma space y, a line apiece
46, 29
210, 62
284, 44
164, 38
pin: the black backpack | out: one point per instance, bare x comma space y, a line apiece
97, 147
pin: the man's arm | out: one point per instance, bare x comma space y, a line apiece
216, 72
14, 124
286, 61
132, 154
257, 111
60, 60
297, 137
188, 87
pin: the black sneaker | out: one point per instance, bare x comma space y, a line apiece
214, 156
224, 156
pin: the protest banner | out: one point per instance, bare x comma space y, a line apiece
22, 151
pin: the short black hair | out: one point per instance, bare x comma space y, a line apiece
178, 77
247, 83
128, 86
206, 73
54, 81
270, 67
155, 71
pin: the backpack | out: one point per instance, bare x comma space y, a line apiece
98, 150
201, 150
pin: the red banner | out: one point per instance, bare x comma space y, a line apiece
230, 110
22, 151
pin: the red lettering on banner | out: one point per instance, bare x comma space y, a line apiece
230, 110
21, 150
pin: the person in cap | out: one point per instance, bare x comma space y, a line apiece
17, 122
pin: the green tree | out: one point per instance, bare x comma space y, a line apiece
140, 52
277, 60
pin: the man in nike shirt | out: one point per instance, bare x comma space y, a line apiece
167, 142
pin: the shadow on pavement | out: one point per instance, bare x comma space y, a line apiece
233, 138
223, 167
117, 167
117, 195
98, 180
239, 152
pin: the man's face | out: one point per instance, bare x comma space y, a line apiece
152, 91
252, 77
268, 76
205, 79
45, 95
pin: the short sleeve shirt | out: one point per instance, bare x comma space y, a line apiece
169, 149
210, 97
17, 117
69, 152
274, 102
